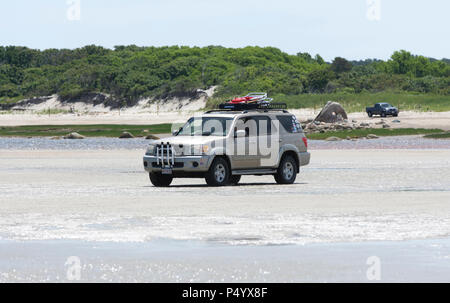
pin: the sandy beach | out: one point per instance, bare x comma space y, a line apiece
99, 205
408, 119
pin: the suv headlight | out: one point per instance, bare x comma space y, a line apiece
199, 149
150, 150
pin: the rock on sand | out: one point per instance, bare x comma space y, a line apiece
151, 137
333, 139
372, 136
73, 136
332, 112
126, 135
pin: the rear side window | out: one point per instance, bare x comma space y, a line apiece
290, 124
253, 125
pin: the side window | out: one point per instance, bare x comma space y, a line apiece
248, 124
254, 126
290, 123
264, 125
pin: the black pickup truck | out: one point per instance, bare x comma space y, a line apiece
382, 109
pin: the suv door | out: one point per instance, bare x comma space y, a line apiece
245, 155
267, 150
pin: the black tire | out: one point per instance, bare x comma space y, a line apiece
234, 180
370, 114
160, 180
219, 173
395, 115
287, 171
383, 115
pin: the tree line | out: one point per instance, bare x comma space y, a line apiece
131, 72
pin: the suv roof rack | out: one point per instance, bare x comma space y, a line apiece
252, 106
257, 101
245, 107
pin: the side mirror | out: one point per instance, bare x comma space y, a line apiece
240, 133
175, 132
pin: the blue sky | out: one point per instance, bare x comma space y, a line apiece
330, 28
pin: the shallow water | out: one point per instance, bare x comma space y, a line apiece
166, 260
43, 143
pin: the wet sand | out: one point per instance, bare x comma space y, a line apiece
346, 205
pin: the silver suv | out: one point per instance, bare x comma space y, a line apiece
222, 145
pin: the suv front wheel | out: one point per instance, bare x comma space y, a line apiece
219, 173
160, 180
287, 171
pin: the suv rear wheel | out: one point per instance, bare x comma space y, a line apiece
234, 180
369, 114
287, 171
219, 173
160, 180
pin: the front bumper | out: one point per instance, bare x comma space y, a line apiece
392, 112
182, 164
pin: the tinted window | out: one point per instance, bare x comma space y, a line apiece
264, 125
290, 123
255, 125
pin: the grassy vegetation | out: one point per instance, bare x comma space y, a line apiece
445, 135
142, 130
129, 73
85, 130
52, 111
358, 133
11, 100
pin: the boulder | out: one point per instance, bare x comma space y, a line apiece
73, 135
386, 126
126, 135
395, 121
151, 137
331, 113
372, 136
333, 139
364, 124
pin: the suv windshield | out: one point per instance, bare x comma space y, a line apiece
386, 105
206, 126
